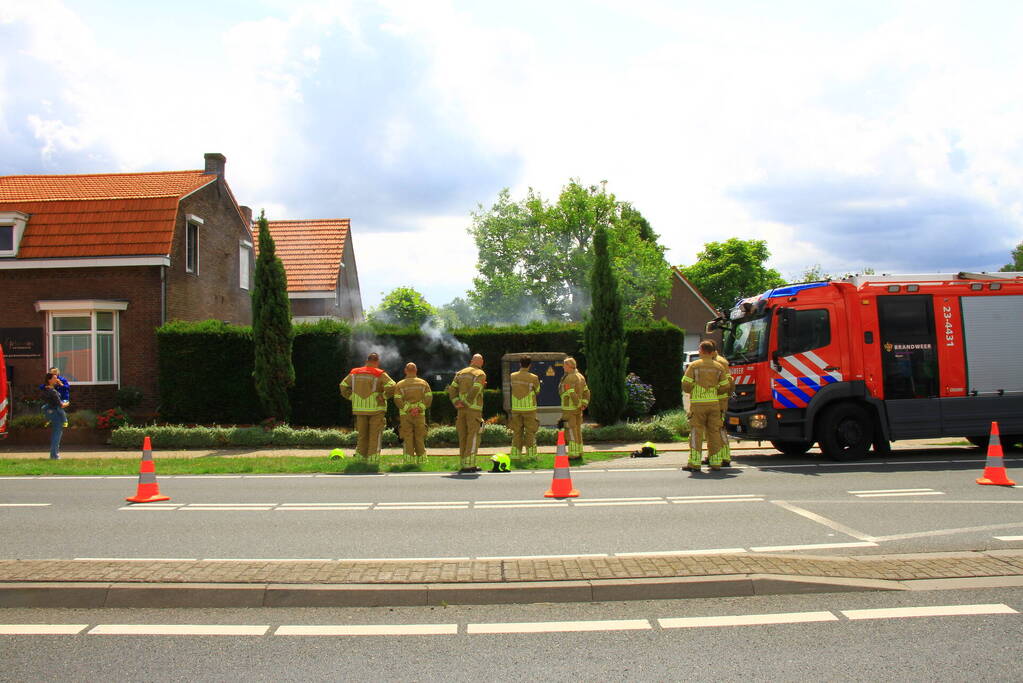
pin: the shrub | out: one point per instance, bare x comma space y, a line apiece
128, 398
442, 436
82, 419
640, 395
675, 421
28, 421
112, 419
495, 435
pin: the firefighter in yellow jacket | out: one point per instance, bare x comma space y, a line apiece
726, 449
523, 421
706, 382
367, 388
575, 396
412, 397
466, 392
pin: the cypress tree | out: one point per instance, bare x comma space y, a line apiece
604, 338
271, 329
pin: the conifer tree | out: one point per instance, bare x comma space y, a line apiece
271, 329
604, 339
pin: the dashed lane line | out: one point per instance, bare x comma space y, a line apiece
888, 490
1008, 538
747, 620
24, 505
497, 628
561, 626
935, 611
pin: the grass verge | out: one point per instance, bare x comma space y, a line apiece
265, 465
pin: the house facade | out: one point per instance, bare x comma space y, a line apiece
687, 308
90, 265
319, 261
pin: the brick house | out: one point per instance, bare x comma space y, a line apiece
319, 260
90, 265
687, 308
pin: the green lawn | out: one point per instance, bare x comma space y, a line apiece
262, 465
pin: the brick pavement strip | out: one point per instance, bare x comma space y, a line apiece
898, 568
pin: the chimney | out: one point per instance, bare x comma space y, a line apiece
215, 164
247, 213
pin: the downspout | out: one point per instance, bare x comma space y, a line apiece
163, 294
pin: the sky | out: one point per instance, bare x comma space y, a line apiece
847, 134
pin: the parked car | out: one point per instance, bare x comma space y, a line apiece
688, 357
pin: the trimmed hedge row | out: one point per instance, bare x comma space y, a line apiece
205, 368
174, 436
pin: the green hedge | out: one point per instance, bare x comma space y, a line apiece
205, 368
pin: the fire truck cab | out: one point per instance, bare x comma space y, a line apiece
871, 359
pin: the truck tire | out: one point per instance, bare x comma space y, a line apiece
792, 448
845, 432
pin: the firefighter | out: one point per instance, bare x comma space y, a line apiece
466, 392
726, 458
523, 421
706, 382
367, 388
575, 396
412, 397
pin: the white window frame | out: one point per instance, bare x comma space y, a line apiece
15, 220
89, 307
192, 221
244, 261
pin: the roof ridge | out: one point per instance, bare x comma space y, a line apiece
96, 175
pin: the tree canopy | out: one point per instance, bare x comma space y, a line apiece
604, 338
271, 329
726, 271
535, 256
1017, 261
402, 306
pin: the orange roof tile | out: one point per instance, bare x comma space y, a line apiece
107, 214
311, 251
50, 188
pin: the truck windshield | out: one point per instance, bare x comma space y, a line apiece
746, 341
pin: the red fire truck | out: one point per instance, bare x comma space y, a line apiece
871, 359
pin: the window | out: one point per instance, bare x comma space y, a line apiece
812, 330
244, 258
84, 338
191, 247
12, 226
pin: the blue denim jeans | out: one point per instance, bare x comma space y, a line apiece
57, 418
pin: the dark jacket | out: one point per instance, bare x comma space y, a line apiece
51, 397
63, 389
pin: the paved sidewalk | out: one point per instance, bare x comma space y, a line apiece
187, 583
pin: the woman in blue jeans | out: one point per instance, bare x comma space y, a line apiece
53, 409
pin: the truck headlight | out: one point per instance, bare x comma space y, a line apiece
758, 421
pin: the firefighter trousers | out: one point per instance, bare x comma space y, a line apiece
412, 430
370, 429
573, 432
468, 424
726, 449
705, 423
523, 427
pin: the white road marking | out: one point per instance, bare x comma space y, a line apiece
426, 502
368, 630
776, 467
136, 559
820, 519
41, 629
596, 500
916, 462
424, 507
949, 532
231, 505
888, 490
937, 611
747, 620
1008, 538
561, 626
192, 508
203, 476
591, 504
320, 508
733, 495
539, 557
504, 502
268, 559
552, 504
893, 495
719, 500
151, 506
179, 630
709, 551
845, 464
811, 546
24, 505
405, 559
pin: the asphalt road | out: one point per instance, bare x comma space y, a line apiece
828, 637
909, 503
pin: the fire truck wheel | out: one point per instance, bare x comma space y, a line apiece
845, 432
792, 448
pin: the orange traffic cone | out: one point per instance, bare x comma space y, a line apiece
994, 469
561, 486
148, 490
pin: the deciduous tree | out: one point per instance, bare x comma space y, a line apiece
402, 306
726, 271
